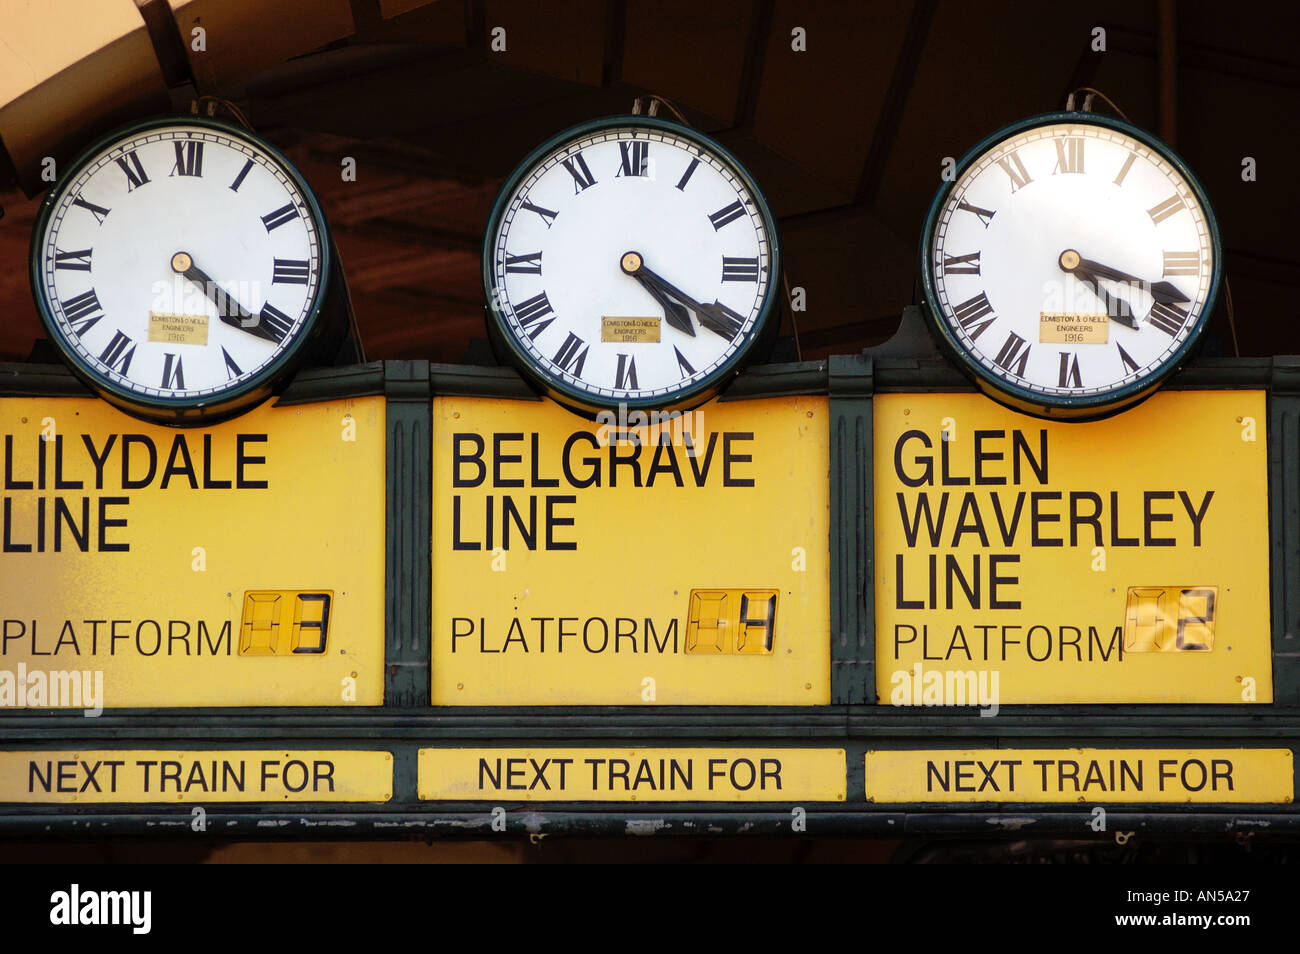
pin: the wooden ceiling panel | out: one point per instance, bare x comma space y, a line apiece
440, 24
244, 37
820, 107
690, 52
392, 8
1262, 220
562, 40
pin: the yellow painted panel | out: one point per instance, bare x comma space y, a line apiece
104, 776
1220, 776
633, 775
566, 570
128, 580
1028, 561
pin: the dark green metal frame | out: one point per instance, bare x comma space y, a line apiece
853, 722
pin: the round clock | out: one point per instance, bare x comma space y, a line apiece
630, 262
1071, 265
180, 265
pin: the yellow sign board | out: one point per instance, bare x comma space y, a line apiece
633, 775
1028, 561
680, 560
1220, 776
104, 776
234, 565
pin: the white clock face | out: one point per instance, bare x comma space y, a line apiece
1071, 261
179, 263
631, 264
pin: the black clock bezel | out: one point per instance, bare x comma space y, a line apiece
508, 350
1036, 403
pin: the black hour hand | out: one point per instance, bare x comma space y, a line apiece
228, 310
678, 317
1163, 292
1117, 308
1091, 273
717, 317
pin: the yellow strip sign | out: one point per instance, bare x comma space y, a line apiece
1220, 776
670, 560
1027, 561
239, 775
234, 565
633, 775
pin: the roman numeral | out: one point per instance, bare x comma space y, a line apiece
739, 269
727, 215
577, 167
1168, 318
1014, 351
984, 215
73, 261
534, 310
1014, 168
285, 213
726, 319
971, 311
686, 176
569, 357
135, 174
239, 179
1069, 155
529, 264
189, 159
635, 158
1070, 377
962, 264
173, 376
547, 215
275, 321
117, 355
1182, 263
1123, 170
625, 373
291, 271
1125, 357
683, 364
98, 211
1165, 209
79, 309
232, 370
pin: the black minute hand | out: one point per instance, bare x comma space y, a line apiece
676, 316
1164, 292
716, 317
228, 310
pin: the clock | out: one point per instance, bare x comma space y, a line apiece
181, 266
630, 263
1071, 265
